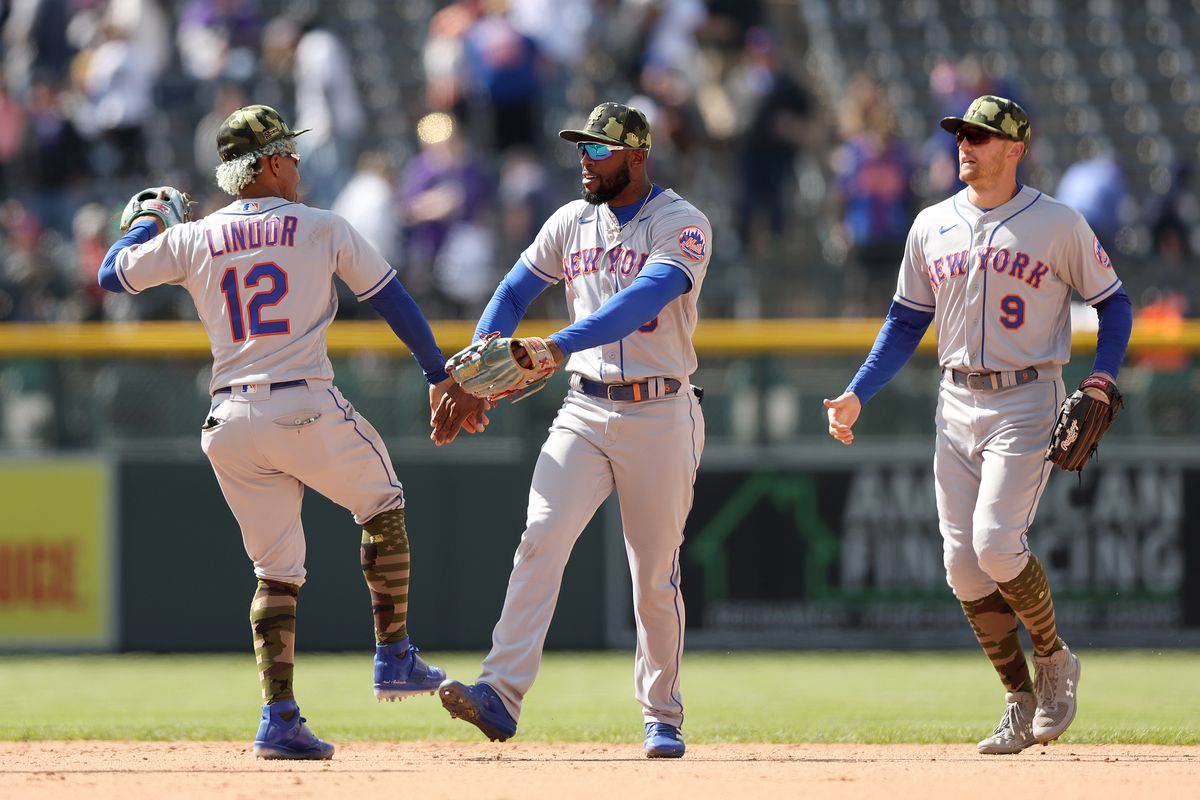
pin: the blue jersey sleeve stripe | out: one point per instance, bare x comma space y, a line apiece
125, 281
544, 275
1100, 295
914, 303
378, 285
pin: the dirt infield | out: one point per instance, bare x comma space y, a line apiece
431, 771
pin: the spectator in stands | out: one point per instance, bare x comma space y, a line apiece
327, 103
219, 39
117, 82
873, 173
12, 132
369, 202
35, 44
54, 164
505, 72
1095, 187
773, 111
446, 194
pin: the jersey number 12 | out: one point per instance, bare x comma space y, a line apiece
265, 297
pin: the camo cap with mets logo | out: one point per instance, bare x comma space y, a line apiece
615, 124
250, 128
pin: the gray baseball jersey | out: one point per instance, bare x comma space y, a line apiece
261, 275
585, 247
999, 282
597, 445
236, 263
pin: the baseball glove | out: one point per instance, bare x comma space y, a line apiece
1082, 420
490, 368
167, 203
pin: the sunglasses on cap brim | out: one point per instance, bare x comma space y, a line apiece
598, 151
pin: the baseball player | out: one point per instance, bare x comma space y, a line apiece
632, 257
993, 267
260, 272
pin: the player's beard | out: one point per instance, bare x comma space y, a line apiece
609, 187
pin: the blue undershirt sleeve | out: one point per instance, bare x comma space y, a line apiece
511, 300
1115, 315
897, 341
632, 307
404, 317
143, 230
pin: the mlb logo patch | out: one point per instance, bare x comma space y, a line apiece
692, 243
250, 206
1101, 256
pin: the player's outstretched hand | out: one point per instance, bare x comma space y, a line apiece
452, 409
843, 412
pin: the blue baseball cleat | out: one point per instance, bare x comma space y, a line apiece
283, 734
401, 673
663, 741
479, 705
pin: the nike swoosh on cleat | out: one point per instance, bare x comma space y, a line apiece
948, 227
582, 220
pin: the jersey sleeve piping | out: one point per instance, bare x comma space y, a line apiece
534, 268
391, 273
125, 281
913, 304
1096, 298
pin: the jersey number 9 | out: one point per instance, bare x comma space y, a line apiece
1013, 308
265, 297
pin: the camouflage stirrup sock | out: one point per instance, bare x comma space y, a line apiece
273, 620
384, 557
1029, 595
995, 626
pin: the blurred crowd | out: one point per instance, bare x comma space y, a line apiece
433, 132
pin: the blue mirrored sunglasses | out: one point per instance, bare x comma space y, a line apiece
597, 151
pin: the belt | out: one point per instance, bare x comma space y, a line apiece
630, 391
274, 386
989, 381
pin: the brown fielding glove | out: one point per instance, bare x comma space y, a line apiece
1082, 420
490, 368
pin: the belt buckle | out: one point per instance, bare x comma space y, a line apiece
976, 380
608, 390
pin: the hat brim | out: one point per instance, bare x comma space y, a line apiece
952, 124
588, 136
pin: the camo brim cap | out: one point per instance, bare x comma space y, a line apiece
999, 115
613, 123
252, 128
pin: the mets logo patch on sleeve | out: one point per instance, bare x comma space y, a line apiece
692, 243
1101, 256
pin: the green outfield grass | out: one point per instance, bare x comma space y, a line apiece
1126, 697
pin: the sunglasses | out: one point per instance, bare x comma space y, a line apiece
597, 151
975, 136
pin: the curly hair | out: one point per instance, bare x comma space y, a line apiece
235, 175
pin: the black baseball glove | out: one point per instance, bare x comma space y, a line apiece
1082, 421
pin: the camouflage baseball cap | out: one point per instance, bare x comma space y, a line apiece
250, 128
999, 115
613, 123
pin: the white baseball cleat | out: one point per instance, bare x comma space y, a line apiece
1056, 682
1015, 731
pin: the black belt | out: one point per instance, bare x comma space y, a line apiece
627, 391
988, 381
274, 386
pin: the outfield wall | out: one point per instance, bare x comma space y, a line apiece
783, 550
